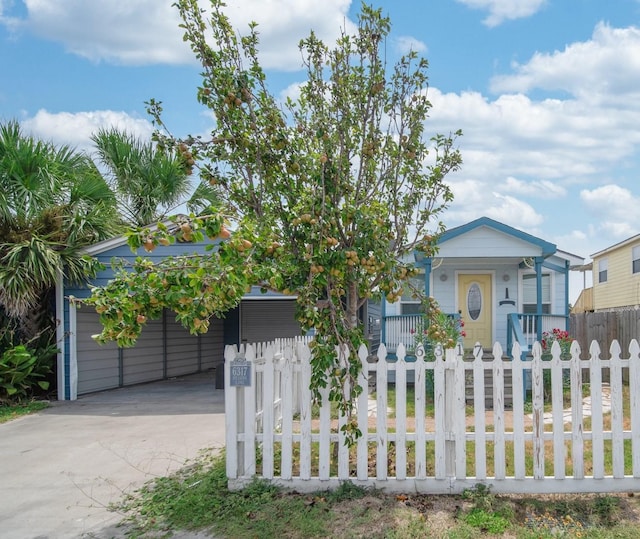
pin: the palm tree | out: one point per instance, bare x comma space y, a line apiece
149, 182
53, 202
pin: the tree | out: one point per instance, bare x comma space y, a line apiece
327, 194
53, 202
149, 180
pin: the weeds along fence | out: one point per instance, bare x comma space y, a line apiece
565, 430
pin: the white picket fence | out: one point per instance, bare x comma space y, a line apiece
544, 443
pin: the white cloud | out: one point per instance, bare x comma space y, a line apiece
137, 32
503, 10
76, 129
475, 198
132, 32
292, 92
610, 200
552, 140
406, 44
615, 210
605, 68
514, 212
537, 189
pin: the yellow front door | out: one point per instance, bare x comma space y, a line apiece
474, 304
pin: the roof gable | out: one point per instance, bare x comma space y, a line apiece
519, 239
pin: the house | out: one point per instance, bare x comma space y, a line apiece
506, 285
165, 348
616, 276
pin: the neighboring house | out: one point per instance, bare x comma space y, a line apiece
616, 276
506, 285
165, 349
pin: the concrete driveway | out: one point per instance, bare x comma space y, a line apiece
61, 468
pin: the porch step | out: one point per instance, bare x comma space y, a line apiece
488, 385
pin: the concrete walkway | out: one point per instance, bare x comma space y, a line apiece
60, 469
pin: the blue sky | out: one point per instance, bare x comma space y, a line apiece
547, 92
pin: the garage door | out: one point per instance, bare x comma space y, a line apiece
265, 320
98, 365
164, 350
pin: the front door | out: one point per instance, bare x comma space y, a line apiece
474, 305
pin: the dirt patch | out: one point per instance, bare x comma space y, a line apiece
374, 515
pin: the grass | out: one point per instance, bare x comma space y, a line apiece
9, 412
197, 499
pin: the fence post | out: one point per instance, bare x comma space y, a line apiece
268, 411
479, 419
247, 409
617, 415
450, 413
231, 422
517, 387
439, 392
537, 397
401, 414
459, 427
304, 356
634, 397
577, 427
363, 415
499, 465
381, 414
597, 424
287, 392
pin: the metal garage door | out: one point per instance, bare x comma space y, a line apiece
163, 350
265, 320
98, 365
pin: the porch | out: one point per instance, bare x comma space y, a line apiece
525, 329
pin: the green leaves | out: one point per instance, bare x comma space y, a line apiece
20, 369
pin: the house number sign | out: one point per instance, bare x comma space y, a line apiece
240, 372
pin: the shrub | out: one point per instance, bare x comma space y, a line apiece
561, 337
24, 369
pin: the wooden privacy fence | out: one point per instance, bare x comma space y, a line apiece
569, 431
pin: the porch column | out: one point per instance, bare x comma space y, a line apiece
427, 276
538, 265
566, 294
383, 316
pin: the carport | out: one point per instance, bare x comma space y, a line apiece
165, 349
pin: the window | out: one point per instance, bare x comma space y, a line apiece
529, 296
603, 266
635, 256
409, 303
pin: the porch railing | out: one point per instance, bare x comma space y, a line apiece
523, 328
400, 329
